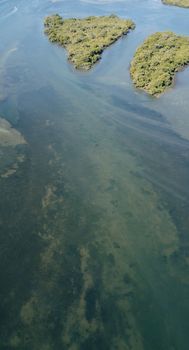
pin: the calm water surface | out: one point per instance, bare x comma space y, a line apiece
94, 196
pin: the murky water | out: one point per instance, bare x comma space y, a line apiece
94, 225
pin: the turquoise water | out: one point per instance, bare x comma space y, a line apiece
94, 228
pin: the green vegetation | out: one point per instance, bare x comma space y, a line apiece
157, 60
180, 3
85, 39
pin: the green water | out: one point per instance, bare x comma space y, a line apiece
94, 241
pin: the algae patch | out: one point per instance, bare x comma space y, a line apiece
85, 39
157, 60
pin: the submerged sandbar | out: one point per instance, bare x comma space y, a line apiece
8, 135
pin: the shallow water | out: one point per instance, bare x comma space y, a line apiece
94, 203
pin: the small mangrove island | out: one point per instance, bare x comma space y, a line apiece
157, 60
180, 3
85, 39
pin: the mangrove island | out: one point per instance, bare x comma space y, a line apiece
180, 3
85, 39
157, 60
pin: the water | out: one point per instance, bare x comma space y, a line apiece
94, 189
